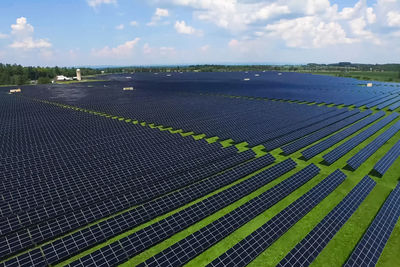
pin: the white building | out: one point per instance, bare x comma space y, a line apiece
63, 78
78, 75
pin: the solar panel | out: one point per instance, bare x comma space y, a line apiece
387, 161
309, 139
349, 145
329, 142
371, 245
394, 106
175, 223
388, 103
377, 102
253, 245
150, 210
309, 248
303, 132
372, 147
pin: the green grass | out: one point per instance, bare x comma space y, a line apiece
387, 76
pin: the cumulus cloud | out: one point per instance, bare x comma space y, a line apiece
134, 23
158, 51
182, 28
96, 3
232, 14
124, 50
22, 34
159, 14
205, 48
120, 27
309, 32
393, 19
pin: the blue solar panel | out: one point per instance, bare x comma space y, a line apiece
309, 248
345, 148
372, 147
370, 247
253, 245
175, 223
325, 144
387, 161
309, 139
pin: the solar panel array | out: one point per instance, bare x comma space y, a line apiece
370, 247
372, 147
387, 161
85, 163
305, 252
349, 145
189, 247
250, 247
388, 103
311, 152
177, 222
394, 106
312, 138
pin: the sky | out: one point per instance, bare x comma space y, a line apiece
169, 32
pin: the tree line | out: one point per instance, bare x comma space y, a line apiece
19, 75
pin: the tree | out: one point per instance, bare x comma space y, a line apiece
44, 80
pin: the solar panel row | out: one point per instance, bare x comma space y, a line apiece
148, 211
394, 106
196, 243
371, 245
349, 145
50, 229
372, 147
388, 103
262, 138
159, 231
278, 142
305, 252
379, 101
311, 152
387, 161
312, 138
253, 245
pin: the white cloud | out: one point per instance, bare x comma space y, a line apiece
158, 51
29, 43
95, 3
358, 27
309, 32
159, 14
182, 28
120, 27
167, 50
22, 28
205, 48
232, 14
371, 16
134, 23
124, 50
147, 49
233, 43
393, 19
317, 6
22, 33
3, 36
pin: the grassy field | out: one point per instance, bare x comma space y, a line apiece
387, 76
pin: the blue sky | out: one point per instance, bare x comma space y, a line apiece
158, 32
